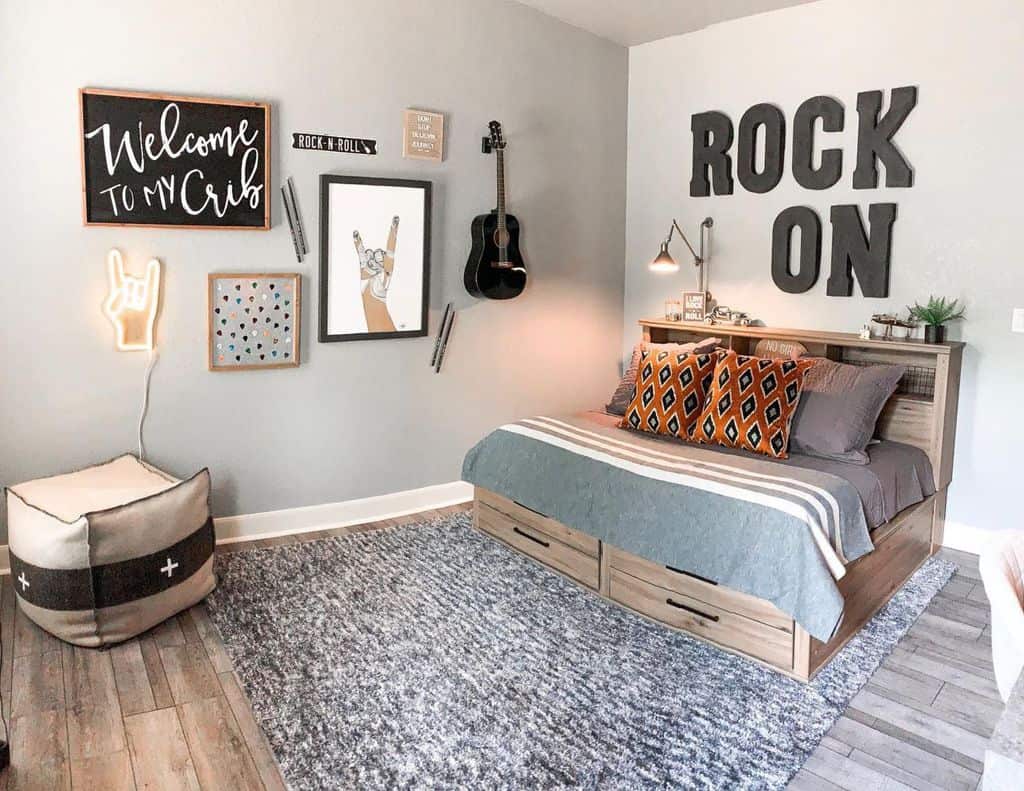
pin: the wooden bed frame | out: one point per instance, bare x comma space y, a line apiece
921, 413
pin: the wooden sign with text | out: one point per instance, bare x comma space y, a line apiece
306, 141
157, 160
423, 135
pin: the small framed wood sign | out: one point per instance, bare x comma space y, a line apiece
253, 320
695, 305
423, 135
157, 160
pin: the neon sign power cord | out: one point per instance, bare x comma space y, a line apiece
153, 357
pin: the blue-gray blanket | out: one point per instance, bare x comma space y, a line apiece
781, 533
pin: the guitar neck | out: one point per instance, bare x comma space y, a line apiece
501, 187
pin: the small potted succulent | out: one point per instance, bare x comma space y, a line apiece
935, 314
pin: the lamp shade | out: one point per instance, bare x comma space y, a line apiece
664, 262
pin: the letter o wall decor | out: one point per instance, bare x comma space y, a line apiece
806, 220
769, 118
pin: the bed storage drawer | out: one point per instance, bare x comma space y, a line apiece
588, 545
689, 585
703, 619
538, 544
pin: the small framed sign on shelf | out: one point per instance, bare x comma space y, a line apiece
695, 305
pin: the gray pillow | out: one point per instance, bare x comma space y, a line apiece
624, 392
839, 408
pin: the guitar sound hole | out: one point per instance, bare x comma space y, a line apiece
501, 238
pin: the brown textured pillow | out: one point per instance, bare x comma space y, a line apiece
627, 385
751, 403
671, 388
840, 407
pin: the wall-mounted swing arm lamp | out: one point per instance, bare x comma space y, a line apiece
665, 263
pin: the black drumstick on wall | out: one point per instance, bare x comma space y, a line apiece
298, 217
440, 330
447, 329
291, 225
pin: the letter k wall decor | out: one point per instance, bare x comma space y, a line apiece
156, 160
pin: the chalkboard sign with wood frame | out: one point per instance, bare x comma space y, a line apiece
157, 160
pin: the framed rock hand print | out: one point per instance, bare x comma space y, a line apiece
374, 258
253, 320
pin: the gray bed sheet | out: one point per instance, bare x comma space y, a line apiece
896, 477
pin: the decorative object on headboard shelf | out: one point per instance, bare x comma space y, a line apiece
935, 314
495, 268
780, 349
253, 320
695, 305
889, 321
723, 314
369, 292
156, 160
856, 250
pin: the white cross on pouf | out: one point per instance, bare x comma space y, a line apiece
169, 568
24, 582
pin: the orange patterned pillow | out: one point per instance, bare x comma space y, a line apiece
751, 402
670, 392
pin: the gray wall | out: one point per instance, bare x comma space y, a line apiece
957, 230
356, 419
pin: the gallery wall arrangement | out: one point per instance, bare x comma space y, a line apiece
241, 60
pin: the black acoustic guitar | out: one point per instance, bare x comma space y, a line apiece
495, 269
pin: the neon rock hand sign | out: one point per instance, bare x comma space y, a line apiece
132, 303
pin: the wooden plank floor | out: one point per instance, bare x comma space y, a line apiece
166, 711
924, 718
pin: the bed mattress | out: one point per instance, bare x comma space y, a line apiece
896, 477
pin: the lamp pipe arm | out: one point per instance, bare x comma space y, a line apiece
697, 259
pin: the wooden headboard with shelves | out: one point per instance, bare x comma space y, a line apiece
922, 412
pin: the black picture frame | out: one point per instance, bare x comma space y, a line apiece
326, 181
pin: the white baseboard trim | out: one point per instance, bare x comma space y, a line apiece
311, 518
966, 538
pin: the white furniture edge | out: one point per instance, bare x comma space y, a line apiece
311, 518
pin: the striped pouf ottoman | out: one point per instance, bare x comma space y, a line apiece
105, 553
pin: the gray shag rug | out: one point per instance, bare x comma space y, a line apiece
433, 657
